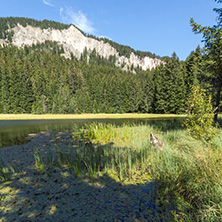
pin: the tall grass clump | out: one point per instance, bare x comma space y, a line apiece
5, 171
191, 169
121, 135
39, 163
105, 147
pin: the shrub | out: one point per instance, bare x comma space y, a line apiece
200, 115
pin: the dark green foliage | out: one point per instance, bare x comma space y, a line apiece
39, 80
193, 68
30, 82
212, 37
219, 12
169, 87
47, 46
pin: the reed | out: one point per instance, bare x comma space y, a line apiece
191, 169
77, 164
39, 163
50, 159
5, 171
106, 150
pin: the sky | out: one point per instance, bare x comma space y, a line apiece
158, 26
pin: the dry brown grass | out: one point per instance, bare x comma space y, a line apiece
85, 116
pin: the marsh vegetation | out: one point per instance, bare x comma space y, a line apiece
186, 174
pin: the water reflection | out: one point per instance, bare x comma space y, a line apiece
14, 132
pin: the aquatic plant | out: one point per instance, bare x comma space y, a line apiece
4, 171
50, 159
39, 163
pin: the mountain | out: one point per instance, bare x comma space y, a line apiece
28, 32
49, 67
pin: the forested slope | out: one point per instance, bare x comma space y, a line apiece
38, 80
47, 83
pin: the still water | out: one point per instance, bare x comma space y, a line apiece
14, 132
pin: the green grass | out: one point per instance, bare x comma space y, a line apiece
187, 168
192, 170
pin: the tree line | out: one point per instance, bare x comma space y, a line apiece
38, 80
33, 81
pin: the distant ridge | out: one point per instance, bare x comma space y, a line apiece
22, 32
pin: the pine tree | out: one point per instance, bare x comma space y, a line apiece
213, 50
169, 87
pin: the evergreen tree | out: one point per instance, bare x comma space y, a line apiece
193, 67
169, 87
213, 50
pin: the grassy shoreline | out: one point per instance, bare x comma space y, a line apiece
184, 180
85, 116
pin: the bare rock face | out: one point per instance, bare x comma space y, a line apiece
73, 41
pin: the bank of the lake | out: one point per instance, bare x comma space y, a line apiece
58, 194
109, 172
15, 127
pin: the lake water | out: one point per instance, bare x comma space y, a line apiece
14, 132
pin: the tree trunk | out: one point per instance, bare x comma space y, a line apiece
217, 100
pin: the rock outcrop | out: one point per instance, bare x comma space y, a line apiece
73, 41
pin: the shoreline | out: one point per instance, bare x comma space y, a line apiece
58, 194
85, 116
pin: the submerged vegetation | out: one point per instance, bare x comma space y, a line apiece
187, 171
5, 171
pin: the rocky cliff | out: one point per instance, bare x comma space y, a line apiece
75, 42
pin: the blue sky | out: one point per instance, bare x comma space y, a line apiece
157, 26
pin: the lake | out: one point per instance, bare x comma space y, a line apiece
14, 132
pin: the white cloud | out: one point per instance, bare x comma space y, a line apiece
48, 2
105, 37
61, 11
79, 19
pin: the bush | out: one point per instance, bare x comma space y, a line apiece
200, 113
